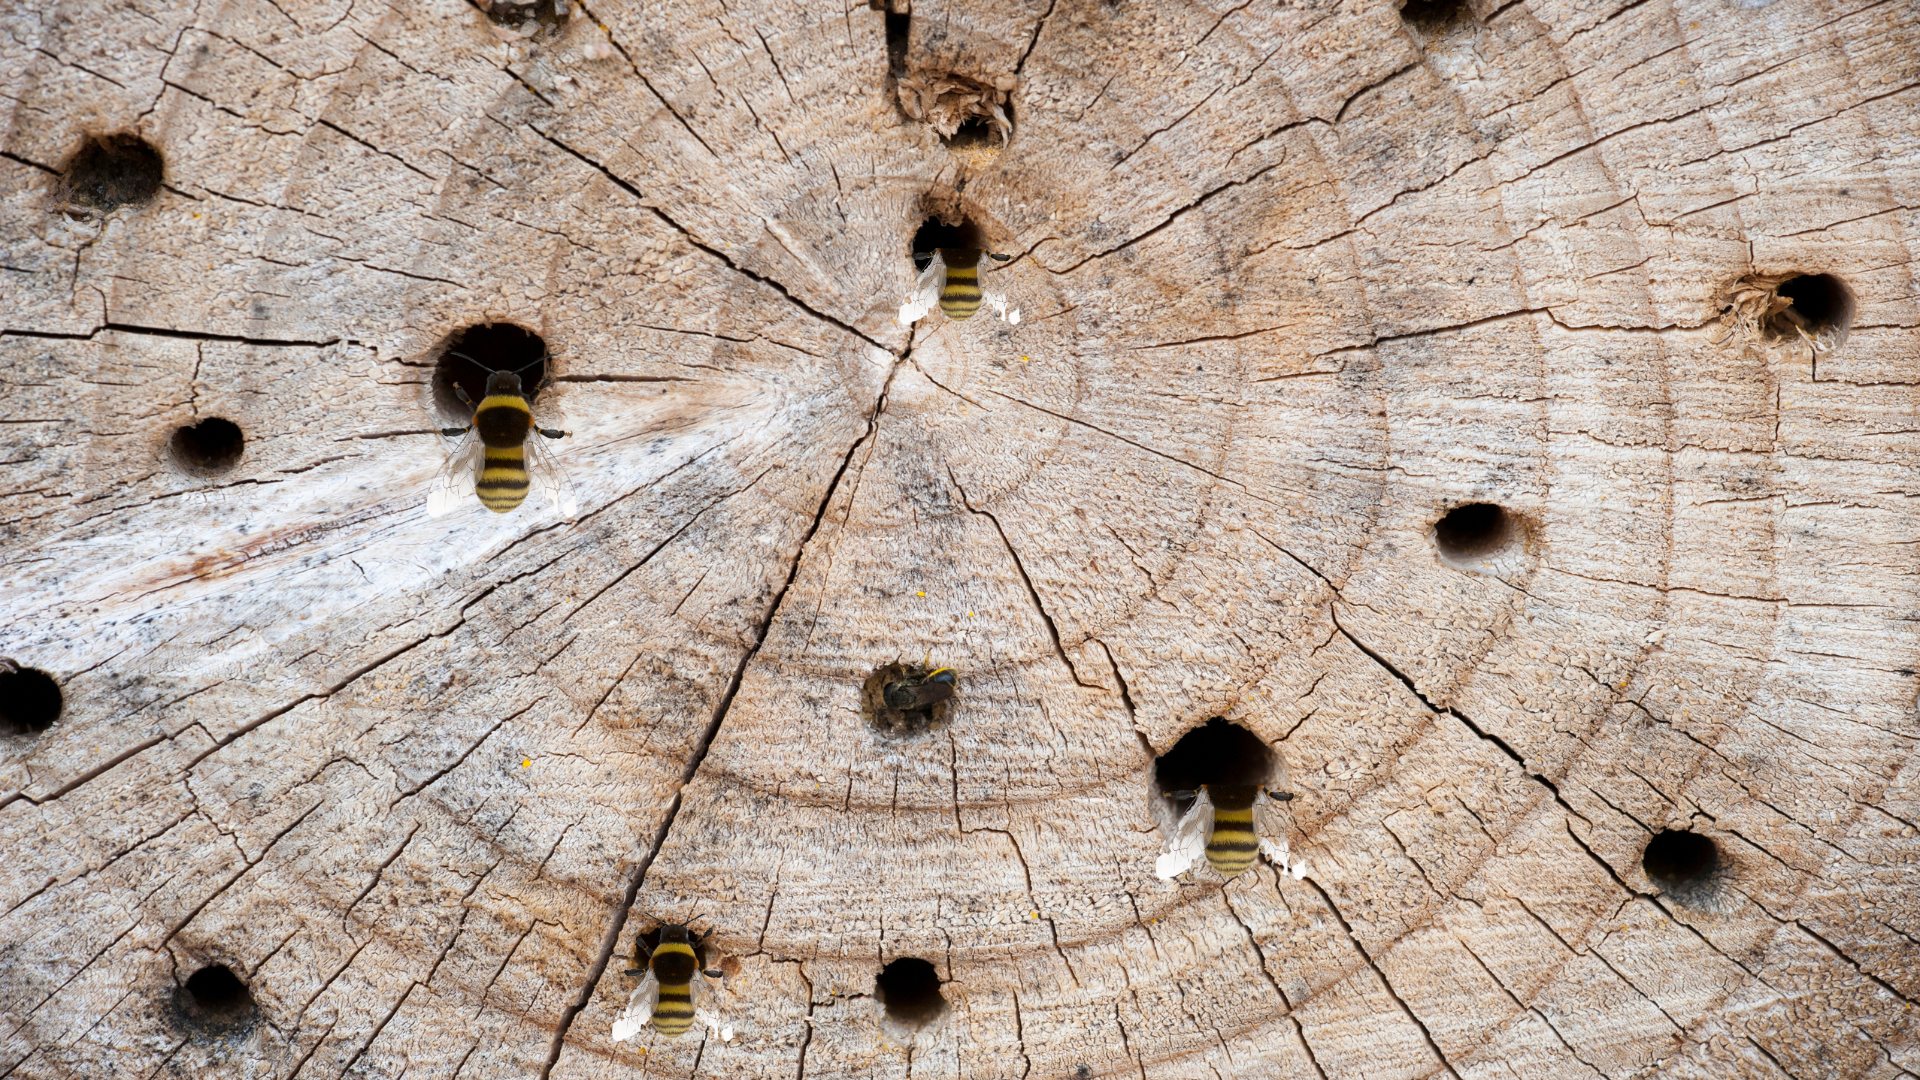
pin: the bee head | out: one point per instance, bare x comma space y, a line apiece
677, 933
945, 676
505, 383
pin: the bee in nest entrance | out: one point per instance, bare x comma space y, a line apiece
903, 700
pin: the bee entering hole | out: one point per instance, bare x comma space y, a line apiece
1680, 860
1820, 304
30, 701
215, 997
109, 172
1472, 533
903, 700
909, 988
1214, 795
468, 357
935, 234
211, 446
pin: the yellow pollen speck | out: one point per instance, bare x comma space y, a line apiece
526, 763
969, 614
922, 592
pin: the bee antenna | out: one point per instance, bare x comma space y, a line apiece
540, 360
470, 360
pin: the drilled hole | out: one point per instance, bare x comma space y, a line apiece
1820, 304
900, 700
213, 445
1473, 533
977, 133
935, 234
1218, 754
1434, 16
110, 172
899, 24
910, 989
481, 351
1680, 860
527, 18
30, 700
214, 997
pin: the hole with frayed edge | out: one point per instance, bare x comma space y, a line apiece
902, 700
211, 446
214, 997
909, 988
469, 356
1431, 17
30, 699
1820, 304
1678, 859
111, 171
1470, 534
528, 17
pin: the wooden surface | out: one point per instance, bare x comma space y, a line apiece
1297, 278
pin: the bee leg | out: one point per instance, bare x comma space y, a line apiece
461, 393
456, 430
553, 433
997, 257
714, 973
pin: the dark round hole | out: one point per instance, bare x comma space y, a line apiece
935, 234
898, 27
910, 989
1472, 532
1821, 303
1429, 16
211, 446
977, 133
112, 171
215, 997
1218, 753
30, 700
481, 351
900, 700
539, 15
1679, 859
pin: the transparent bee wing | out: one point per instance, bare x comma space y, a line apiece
996, 294
548, 478
639, 1009
454, 484
1270, 825
926, 291
706, 1003
1188, 844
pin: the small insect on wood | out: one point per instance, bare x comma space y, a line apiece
495, 458
922, 691
676, 990
952, 280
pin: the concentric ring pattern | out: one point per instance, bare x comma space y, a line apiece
1297, 279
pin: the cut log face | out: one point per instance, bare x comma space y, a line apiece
1424, 392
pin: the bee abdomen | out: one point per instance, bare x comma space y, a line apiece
503, 479
1234, 845
674, 1014
961, 296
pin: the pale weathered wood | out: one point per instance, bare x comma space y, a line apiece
1297, 279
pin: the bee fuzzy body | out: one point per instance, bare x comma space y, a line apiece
675, 993
1234, 843
952, 282
499, 457
674, 964
960, 296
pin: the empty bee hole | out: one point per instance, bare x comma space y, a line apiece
527, 16
482, 350
935, 234
1474, 532
1218, 753
976, 134
1430, 16
899, 24
112, 171
1820, 304
30, 699
213, 445
215, 997
909, 988
897, 723
1678, 859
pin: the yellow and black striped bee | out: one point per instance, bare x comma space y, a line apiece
675, 991
1214, 779
922, 691
495, 457
952, 280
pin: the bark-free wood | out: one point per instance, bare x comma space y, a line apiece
1298, 278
